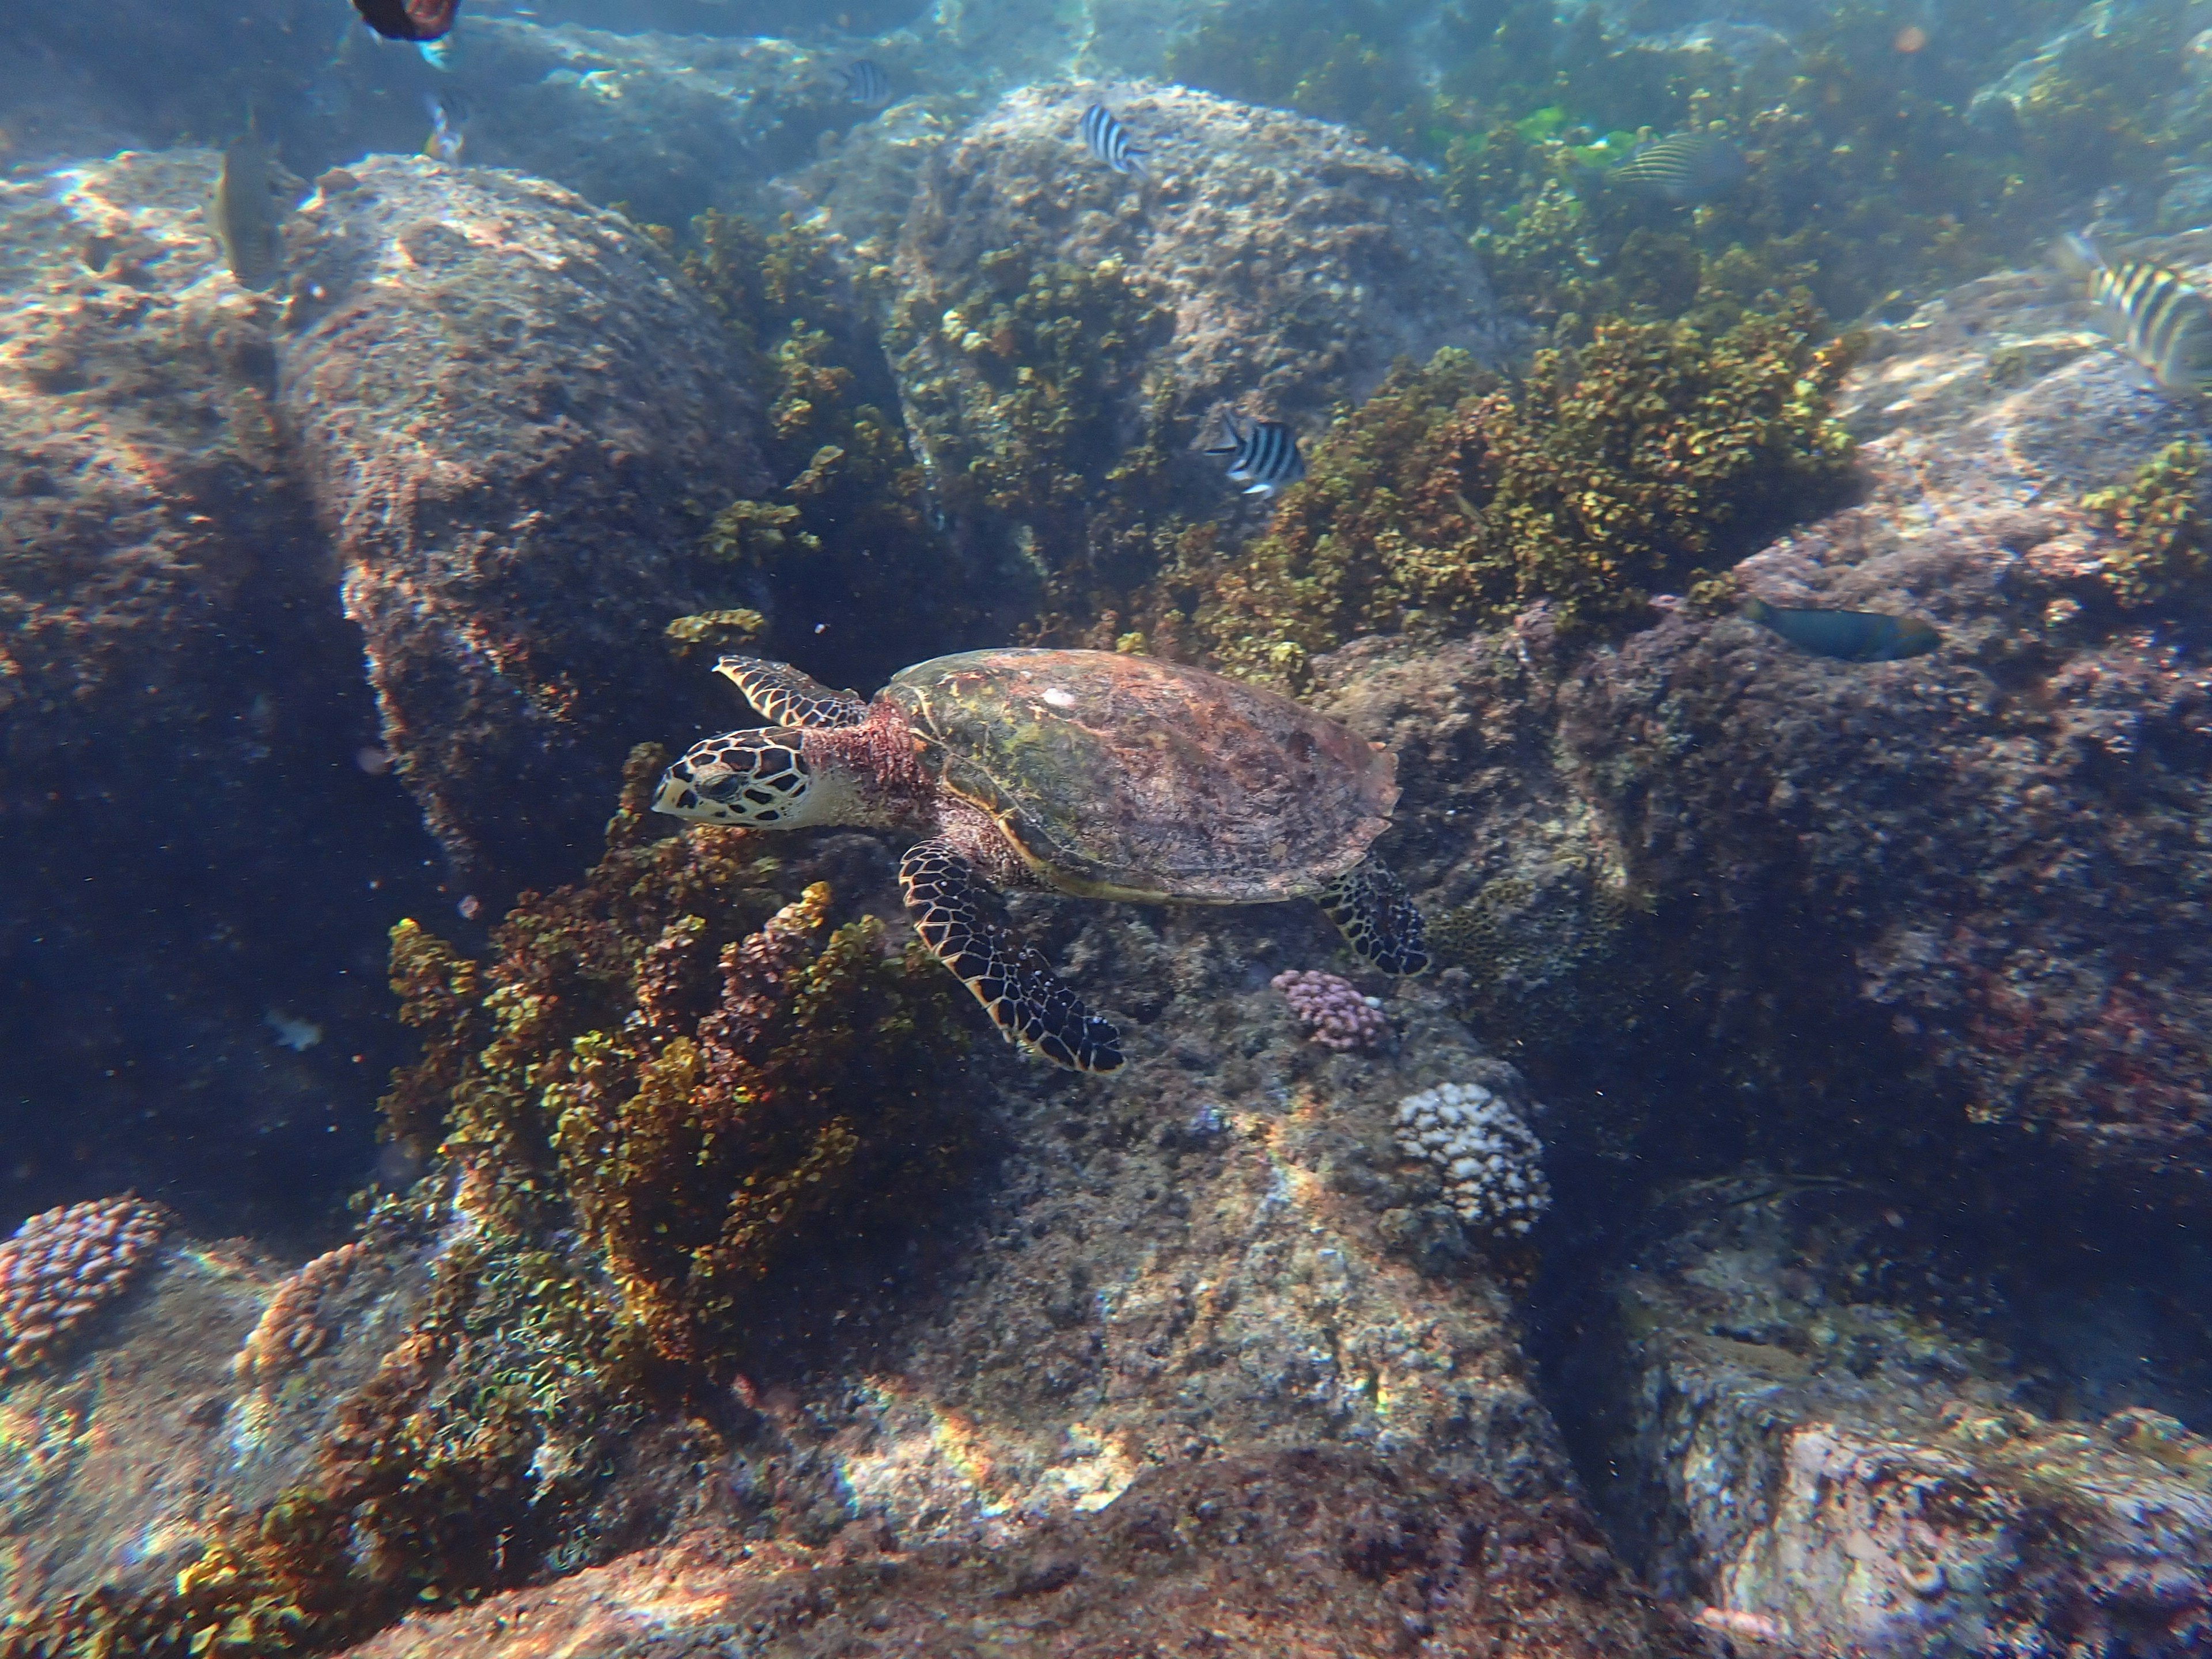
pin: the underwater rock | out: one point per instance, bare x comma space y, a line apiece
1942, 907
186, 839
515, 419
1057, 322
1802, 1436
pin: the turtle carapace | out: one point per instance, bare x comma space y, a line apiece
1082, 772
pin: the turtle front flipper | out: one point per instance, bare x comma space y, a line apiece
1370, 908
1027, 1000
787, 697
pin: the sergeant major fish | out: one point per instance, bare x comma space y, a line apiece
1847, 635
1686, 169
246, 215
867, 84
1265, 455
2161, 318
1109, 141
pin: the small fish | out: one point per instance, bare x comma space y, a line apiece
867, 84
292, 1032
1686, 169
2161, 318
247, 213
1848, 635
408, 20
447, 138
438, 54
1266, 455
1109, 141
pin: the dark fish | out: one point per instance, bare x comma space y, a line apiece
1266, 455
407, 20
2162, 319
1686, 169
247, 213
1848, 635
867, 84
1109, 141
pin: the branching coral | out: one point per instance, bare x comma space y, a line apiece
1643, 460
705, 1077
2164, 550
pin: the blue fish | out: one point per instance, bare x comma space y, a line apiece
1265, 455
1848, 635
1109, 141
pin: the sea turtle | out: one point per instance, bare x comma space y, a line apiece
1083, 772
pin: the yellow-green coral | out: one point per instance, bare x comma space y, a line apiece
2164, 549
1645, 459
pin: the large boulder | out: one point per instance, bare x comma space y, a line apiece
1929, 908
516, 420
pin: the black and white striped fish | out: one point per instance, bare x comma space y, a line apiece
1109, 141
1265, 455
1686, 169
867, 84
2162, 319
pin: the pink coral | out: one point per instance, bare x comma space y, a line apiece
1332, 1010
62, 1265
292, 1329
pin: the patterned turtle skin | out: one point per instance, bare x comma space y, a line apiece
1123, 777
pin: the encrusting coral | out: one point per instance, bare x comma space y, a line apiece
702, 1076
1645, 459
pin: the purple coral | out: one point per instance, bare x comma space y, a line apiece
60, 1265
1332, 1010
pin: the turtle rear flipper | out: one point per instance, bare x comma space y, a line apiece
785, 697
1027, 1001
1370, 908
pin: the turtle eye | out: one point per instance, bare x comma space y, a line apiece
721, 789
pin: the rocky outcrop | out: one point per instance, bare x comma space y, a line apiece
1266, 261
1941, 907
1806, 1441
515, 421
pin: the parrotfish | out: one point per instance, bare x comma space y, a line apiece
1848, 635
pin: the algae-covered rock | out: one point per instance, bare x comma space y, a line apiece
514, 418
1064, 335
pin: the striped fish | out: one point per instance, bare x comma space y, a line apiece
1264, 455
2159, 316
1687, 168
867, 84
1109, 141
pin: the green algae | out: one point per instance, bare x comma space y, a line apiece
2163, 549
1646, 460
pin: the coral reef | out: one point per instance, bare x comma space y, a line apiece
514, 543
1331, 1008
60, 1267
1635, 464
1492, 1163
709, 1076
2158, 517
1065, 336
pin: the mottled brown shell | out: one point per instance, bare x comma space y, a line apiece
1129, 778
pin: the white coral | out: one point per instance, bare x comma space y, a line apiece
1492, 1163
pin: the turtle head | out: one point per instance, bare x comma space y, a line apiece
764, 779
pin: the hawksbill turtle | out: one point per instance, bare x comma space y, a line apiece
1082, 772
